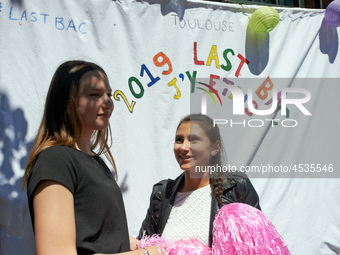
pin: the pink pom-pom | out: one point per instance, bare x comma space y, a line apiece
156, 240
188, 247
244, 230
180, 247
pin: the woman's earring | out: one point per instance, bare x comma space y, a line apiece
213, 153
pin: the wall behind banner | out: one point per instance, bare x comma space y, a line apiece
155, 54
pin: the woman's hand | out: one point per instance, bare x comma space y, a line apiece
134, 243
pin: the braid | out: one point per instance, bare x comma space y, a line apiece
217, 187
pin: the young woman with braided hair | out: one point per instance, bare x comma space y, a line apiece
186, 207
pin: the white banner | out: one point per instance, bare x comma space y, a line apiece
156, 53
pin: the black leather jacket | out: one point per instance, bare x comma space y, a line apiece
237, 188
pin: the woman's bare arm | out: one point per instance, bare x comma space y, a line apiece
54, 222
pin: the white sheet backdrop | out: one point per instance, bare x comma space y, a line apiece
124, 36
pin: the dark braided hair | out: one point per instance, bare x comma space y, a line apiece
213, 133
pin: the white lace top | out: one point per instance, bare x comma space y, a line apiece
190, 216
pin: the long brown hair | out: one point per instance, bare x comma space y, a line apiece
61, 123
213, 133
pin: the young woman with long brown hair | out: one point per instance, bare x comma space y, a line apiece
75, 203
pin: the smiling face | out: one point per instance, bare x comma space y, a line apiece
193, 147
94, 101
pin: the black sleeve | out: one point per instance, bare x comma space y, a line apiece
249, 194
53, 164
151, 222
242, 191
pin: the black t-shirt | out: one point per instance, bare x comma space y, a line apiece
101, 225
